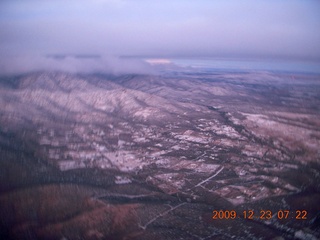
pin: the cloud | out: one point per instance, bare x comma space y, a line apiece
74, 64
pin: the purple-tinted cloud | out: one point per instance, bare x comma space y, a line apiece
114, 65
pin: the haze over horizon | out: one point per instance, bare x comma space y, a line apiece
30, 30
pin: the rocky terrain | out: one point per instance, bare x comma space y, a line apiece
160, 156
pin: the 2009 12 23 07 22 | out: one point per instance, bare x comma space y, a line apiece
262, 214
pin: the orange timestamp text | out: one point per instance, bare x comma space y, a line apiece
262, 214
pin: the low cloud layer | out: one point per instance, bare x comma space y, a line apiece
176, 28
73, 64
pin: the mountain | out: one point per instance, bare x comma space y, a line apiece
174, 155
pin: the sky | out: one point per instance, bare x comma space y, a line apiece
32, 29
